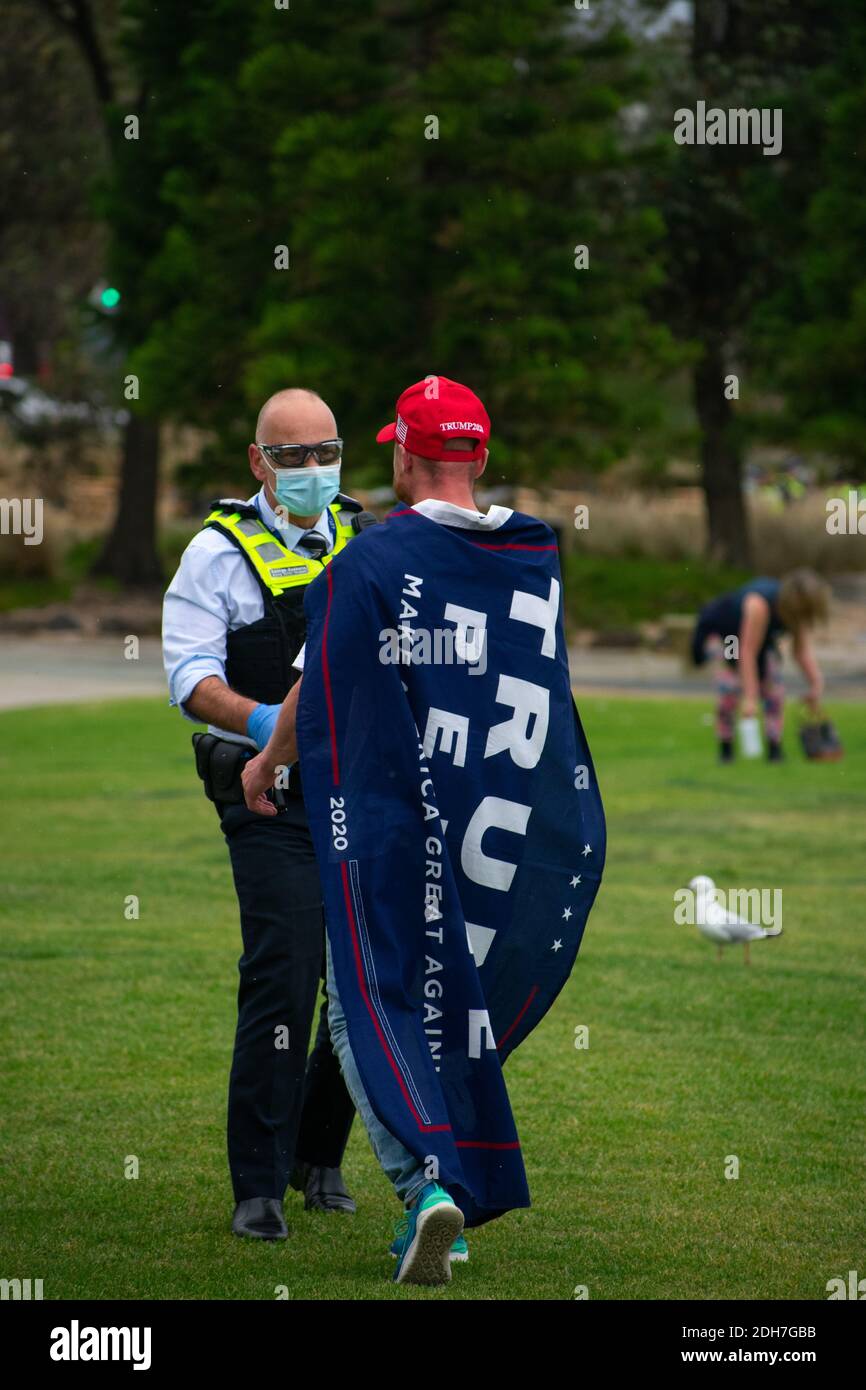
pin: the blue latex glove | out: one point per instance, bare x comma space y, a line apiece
262, 722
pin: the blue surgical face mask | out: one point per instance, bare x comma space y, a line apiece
305, 491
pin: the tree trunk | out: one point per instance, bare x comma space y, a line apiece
721, 463
130, 554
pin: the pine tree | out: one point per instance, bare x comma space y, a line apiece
430, 169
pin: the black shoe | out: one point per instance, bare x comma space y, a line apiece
774, 753
260, 1217
726, 751
323, 1188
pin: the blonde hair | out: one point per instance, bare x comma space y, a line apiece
804, 600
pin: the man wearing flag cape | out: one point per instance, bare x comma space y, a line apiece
456, 818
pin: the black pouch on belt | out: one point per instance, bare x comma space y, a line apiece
219, 764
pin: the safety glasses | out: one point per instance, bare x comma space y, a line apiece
330, 451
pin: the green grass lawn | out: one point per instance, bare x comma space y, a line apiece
117, 1036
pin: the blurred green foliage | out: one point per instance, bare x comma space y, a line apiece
617, 593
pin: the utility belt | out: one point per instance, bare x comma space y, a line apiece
220, 762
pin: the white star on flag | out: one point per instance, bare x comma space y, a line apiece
557, 946
567, 913
587, 849
575, 880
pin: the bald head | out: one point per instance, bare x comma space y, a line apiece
295, 416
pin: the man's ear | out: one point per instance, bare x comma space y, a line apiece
257, 468
482, 463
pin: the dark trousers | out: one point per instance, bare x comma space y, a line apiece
282, 1110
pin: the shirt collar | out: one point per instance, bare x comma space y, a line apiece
449, 514
286, 530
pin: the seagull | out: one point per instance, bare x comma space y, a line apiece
718, 924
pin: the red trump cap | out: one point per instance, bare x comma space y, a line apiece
433, 411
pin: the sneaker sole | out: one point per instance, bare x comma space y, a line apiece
455, 1259
427, 1261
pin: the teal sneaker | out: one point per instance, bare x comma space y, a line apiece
424, 1237
458, 1254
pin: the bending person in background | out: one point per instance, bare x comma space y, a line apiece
741, 629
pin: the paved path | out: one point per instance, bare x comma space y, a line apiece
657, 674
63, 668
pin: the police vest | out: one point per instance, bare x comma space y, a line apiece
259, 656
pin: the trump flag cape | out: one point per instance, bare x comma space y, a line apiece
457, 824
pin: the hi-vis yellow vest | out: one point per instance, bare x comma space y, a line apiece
277, 568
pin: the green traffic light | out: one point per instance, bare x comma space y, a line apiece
110, 298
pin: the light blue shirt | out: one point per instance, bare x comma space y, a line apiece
213, 593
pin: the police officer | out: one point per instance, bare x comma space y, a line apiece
233, 624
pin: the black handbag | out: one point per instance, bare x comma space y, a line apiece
820, 740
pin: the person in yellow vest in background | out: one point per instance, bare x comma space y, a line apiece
233, 625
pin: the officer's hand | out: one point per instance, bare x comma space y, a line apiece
258, 776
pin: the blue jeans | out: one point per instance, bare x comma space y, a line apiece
401, 1167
